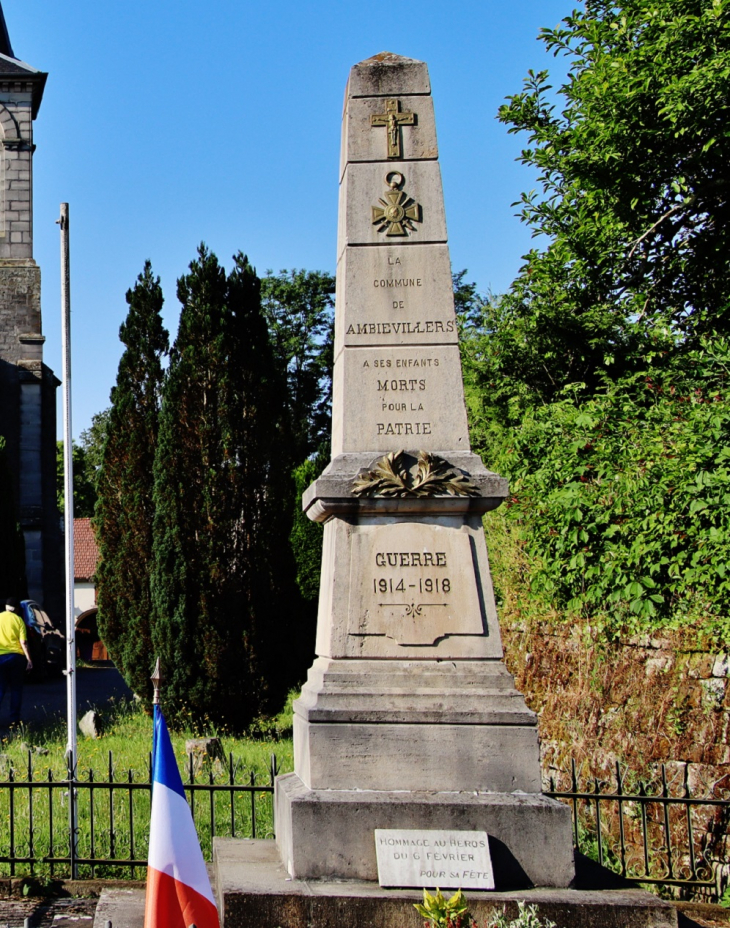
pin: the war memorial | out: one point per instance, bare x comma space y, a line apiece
416, 759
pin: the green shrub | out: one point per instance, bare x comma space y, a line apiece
621, 497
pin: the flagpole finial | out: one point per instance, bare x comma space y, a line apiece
156, 679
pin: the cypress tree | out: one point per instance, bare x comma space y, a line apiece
222, 577
123, 517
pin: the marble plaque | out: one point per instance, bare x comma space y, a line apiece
396, 296
433, 859
364, 186
413, 583
408, 398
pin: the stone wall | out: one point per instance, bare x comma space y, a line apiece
27, 386
646, 701
16, 167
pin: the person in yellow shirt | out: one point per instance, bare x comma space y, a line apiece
14, 657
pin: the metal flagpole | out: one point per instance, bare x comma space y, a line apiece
156, 679
69, 532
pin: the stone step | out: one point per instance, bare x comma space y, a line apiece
255, 889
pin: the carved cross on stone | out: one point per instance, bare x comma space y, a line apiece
393, 119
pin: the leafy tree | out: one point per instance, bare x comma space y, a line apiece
12, 545
620, 497
468, 302
306, 543
299, 309
631, 153
223, 582
124, 513
92, 441
84, 491
306, 536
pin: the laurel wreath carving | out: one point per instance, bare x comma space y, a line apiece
391, 478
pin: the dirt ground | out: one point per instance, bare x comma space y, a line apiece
43, 913
45, 701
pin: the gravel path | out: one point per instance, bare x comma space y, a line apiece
46, 702
44, 913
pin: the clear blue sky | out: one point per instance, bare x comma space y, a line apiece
170, 122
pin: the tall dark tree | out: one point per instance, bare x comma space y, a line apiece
299, 310
223, 582
124, 512
632, 153
12, 545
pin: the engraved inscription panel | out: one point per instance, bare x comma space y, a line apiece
407, 398
433, 858
413, 583
396, 296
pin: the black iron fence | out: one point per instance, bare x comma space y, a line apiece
87, 825
655, 830
652, 829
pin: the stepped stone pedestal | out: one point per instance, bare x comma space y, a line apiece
254, 888
409, 718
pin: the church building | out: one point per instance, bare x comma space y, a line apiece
27, 385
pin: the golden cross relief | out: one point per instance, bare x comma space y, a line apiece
393, 119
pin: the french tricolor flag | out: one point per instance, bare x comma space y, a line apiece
178, 887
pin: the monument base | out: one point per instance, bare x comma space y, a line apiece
253, 888
325, 832
394, 725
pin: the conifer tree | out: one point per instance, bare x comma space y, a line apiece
222, 578
123, 518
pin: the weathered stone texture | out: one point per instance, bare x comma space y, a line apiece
408, 718
647, 703
16, 175
27, 386
254, 888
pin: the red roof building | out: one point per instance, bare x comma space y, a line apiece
86, 556
86, 551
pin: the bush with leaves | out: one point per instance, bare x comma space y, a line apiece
528, 916
440, 912
622, 496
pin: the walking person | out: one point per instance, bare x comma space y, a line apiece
14, 657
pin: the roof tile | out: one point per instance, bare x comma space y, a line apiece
86, 551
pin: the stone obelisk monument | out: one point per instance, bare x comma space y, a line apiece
409, 718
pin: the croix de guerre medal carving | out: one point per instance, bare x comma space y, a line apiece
393, 119
398, 211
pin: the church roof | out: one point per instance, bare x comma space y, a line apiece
12, 68
5, 47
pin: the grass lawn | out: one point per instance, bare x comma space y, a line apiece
113, 824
